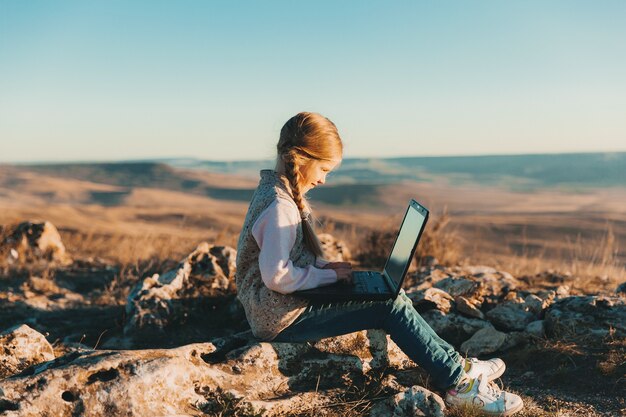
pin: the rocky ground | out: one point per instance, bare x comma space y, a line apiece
88, 337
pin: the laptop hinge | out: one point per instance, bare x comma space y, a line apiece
390, 284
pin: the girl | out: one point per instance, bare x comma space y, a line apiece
278, 253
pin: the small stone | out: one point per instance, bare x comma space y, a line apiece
469, 307
534, 304
415, 401
458, 286
431, 298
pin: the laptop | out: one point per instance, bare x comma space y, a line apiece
374, 285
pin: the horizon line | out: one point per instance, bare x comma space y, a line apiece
163, 159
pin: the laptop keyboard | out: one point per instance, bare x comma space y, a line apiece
368, 282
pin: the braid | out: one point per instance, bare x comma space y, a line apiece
293, 175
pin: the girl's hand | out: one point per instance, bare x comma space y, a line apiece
343, 271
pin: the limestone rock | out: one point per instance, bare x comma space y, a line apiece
587, 315
415, 401
484, 341
510, 316
30, 241
334, 250
154, 303
106, 383
430, 298
188, 379
22, 347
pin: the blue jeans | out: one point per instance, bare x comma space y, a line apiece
397, 318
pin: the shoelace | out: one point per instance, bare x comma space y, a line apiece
488, 388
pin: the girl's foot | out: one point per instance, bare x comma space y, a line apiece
485, 396
492, 369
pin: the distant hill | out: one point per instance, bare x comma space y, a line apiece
357, 182
517, 172
144, 174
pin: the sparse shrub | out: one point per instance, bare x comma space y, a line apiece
224, 404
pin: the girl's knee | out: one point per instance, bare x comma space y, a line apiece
402, 301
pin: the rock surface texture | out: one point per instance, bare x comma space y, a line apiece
183, 381
22, 347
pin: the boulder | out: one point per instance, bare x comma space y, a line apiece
29, 241
22, 347
510, 316
589, 315
484, 341
158, 301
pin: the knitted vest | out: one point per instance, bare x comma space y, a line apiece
268, 312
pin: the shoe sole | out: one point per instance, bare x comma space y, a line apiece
507, 412
502, 413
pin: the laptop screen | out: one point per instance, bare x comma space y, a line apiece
404, 247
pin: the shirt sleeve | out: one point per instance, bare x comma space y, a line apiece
321, 262
275, 233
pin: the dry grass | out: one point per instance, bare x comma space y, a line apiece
127, 249
219, 403
438, 241
589, 266
354, 400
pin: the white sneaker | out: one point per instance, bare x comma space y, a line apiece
492, 369
486, 397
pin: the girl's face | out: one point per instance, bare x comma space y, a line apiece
313, 172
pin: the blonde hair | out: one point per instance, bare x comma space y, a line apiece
307, 136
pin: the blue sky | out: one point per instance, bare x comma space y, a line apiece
115, 80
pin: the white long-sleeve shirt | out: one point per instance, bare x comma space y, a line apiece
275, 233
